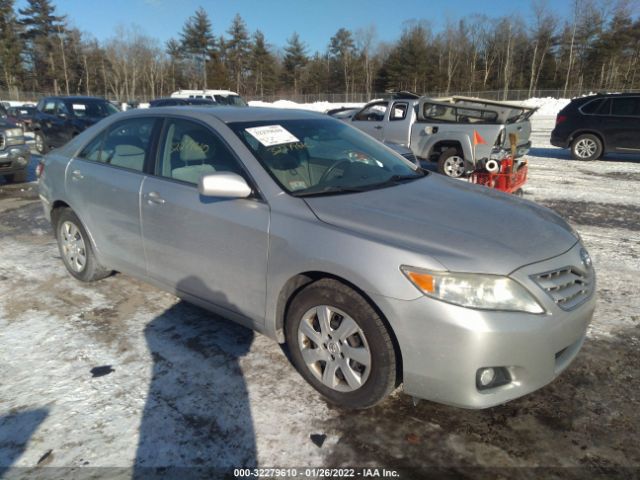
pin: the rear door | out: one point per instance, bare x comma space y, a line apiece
625, 115
103, 185
371, 119
212, 248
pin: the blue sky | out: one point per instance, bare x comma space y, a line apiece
316, 21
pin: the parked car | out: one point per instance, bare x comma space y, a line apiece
457, 132
58, 119
598, 124
14, 152
22, 116
174, 102
223, 97
374, 272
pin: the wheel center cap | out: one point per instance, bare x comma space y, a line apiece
333, 347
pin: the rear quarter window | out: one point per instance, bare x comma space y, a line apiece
592, 106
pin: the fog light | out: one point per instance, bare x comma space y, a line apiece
492, 377
486, 376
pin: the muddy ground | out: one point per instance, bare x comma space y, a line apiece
106, 379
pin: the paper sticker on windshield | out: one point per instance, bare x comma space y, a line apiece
79, 106
272, 135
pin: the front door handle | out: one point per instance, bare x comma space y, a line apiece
154, 197
77, 175
378, 127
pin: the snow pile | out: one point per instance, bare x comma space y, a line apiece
547, 106
315, 107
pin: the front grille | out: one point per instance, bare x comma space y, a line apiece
411, 157
567, 286
1, 141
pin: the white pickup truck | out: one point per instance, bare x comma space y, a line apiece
457, 132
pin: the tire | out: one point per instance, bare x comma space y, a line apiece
315, 353
18, 177
76, 249
451, 163
41, 142
586, 147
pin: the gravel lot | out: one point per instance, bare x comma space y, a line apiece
120, 374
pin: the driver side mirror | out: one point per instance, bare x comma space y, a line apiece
223, 184
63, 115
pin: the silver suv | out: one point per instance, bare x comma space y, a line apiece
374, 272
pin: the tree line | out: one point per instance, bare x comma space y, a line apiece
597, 48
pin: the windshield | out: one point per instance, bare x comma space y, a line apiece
323, 156
233, 100
83, 108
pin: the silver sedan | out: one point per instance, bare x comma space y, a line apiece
374, 272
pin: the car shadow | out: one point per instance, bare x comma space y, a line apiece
563, 154
197, 413
16, 429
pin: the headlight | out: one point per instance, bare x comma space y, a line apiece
472, 290
14, 136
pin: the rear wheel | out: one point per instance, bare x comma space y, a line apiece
451, 163
586, 147
340, 345
76, 250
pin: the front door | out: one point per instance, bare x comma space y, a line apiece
212, 248
371, 119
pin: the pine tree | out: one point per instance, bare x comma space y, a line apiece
40, 26
10, 45
198, 41
262, 66
295, 58
342, 49
237, 52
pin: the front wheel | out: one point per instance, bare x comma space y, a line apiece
340, 345
76, 250
451, 163
586, 147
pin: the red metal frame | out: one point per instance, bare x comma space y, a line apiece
505, 180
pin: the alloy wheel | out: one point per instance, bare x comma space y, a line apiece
334, 348
73, 246
454, 166
585, 148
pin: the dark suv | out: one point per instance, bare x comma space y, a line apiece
598, 124
58, 119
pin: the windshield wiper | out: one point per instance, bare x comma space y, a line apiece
329, 189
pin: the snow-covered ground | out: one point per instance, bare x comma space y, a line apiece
176, 386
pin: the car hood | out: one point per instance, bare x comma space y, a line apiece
466, 228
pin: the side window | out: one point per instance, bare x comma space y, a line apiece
625, 106
592, 106
439, 113
373, 113
190, 150
605, 109
93, 150
61, 108
49, 107
399, 111
125, 145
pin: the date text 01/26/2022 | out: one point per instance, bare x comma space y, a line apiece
315, 473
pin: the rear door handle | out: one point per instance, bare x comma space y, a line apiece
378, 127
154, 197
77, 175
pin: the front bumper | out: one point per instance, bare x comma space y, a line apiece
14, 159
443, 346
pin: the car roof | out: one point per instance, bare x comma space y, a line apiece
241, 114
73, 97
